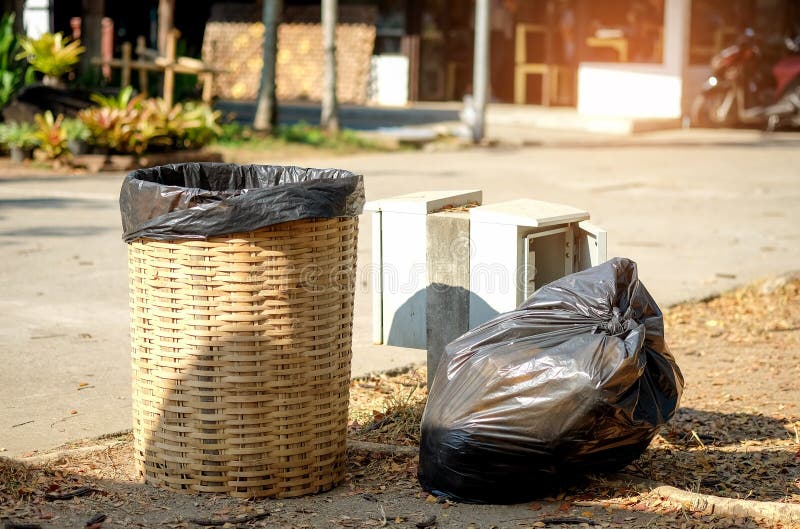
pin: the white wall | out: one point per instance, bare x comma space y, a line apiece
641, 90
36, 17
388, 80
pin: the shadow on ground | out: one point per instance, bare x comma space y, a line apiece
735, 455
53, 203
57, 231
378, 490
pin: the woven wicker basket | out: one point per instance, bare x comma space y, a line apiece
241, 358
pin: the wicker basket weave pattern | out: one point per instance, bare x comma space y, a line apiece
241, 358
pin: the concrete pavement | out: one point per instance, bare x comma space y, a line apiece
700, 211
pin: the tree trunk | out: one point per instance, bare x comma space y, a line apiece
16, 7
91, 32
330, 106
266, 118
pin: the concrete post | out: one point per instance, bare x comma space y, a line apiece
677, 26
480, 71
677, 18
448, 250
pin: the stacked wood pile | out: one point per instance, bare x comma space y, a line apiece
300, 61
237, 45
233, 42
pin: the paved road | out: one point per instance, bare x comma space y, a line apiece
351, 116
700, 213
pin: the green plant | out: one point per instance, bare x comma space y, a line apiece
20, 135
129, 124
76, 129
302, 133
234, 134
122, 101
52, 54
112, 124
161, 123
109, 128
14, 74
51, 135
201, 126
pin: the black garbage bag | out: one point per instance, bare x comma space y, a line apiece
199, 200
577, 380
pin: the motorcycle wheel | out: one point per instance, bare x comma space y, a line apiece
705, 112
791, 96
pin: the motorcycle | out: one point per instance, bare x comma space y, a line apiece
744, 90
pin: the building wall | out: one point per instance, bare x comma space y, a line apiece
641, 90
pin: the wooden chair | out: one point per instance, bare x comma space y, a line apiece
558, 81
523, 68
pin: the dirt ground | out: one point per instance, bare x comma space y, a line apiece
735, 436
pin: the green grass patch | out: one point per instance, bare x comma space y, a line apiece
236, 135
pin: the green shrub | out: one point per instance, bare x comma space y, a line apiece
310, 135
52, 54
234, 134
302, 133
200, 127
22, 135
76, 129
14, 74
51, 135
113, 123
127, 124
122, 101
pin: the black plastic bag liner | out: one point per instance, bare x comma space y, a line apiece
577, 380
199, 200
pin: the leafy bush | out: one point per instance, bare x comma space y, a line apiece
52, 54
234, 134
51, 135
122, 101
21, 135
127, 124
302, 133
14, 74
201, 126
76, 129
112, 125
